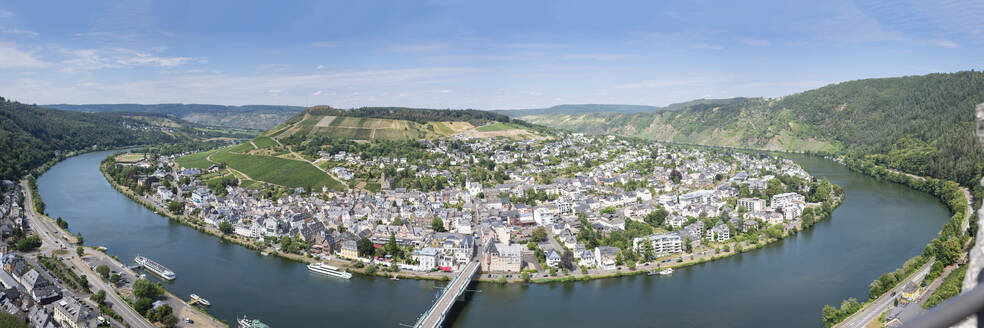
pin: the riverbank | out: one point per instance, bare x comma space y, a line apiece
957, 200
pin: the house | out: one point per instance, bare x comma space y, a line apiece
662, 244
910, 292
553, 258
784, 199
676, 221
605, 256
349, 250
751, 204
587, 259
70, 313
501, 257
427, 257
719, 233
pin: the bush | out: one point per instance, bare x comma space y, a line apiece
951, 286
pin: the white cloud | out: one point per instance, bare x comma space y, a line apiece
317, 93
755, 42
5, 14
12, 57
27, 33
446, 91
93, 59
275, 91
320, 67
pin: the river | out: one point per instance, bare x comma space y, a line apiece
878, 226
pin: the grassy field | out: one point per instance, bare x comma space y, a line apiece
496, 127
241, 148
278, 171
264, 142
195, 161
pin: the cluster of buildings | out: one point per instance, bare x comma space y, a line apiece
606, 181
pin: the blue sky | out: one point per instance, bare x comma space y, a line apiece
469, 54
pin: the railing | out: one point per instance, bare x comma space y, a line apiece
955, 310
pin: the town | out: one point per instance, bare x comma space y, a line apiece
547, 207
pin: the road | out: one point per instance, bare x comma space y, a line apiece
436, 315
874, 309
52, 236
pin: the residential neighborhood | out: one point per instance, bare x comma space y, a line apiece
571, 203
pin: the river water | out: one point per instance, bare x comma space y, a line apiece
784, 284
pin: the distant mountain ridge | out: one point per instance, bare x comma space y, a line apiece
919, 124
258, 117
609, 108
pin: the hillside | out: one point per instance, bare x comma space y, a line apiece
920, 124
391, 123
259, 117
31, 135
290, 155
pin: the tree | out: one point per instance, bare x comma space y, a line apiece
78, 238
676, 176
29, 244
143, 288
142, 305
115, 278
365, 247
437, 224
79, 250
103, 271
61, 223
99, 297
391, 247
688, 244
539, 234
567, 260
657, 217
225, 227
174, 207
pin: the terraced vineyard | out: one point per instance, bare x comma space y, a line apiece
367, 128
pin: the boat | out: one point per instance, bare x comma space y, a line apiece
155, 268
394, 278
652, 272
265, 253
250, 323
666, 271
328, 270
200, 300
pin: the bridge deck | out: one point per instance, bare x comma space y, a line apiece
434, 317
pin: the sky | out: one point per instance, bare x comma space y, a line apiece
469, 54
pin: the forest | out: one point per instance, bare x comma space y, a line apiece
31, 135
421, 116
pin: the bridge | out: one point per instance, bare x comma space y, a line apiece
434, 316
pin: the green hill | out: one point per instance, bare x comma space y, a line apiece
920, 124
259, 117
31, 135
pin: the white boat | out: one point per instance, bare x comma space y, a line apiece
155, 268
200, 300
666, 271
328, 270
250, 323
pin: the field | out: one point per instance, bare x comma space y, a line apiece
129, 158
275, 170
499, 126
264, 142
195, 161
365, 128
